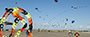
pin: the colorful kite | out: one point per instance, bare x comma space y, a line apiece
15, 13
56, 0
73, 21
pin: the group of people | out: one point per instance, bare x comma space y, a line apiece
71, 34
15, 13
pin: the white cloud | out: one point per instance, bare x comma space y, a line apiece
88, 26
81, 26
45, 23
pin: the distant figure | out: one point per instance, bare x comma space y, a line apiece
70, 34
76, 34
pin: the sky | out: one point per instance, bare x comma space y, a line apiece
53, 12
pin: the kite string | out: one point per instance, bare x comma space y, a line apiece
58, 15
82, 6
39, 11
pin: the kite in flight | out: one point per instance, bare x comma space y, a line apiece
15, 13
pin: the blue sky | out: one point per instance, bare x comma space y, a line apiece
52, 9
